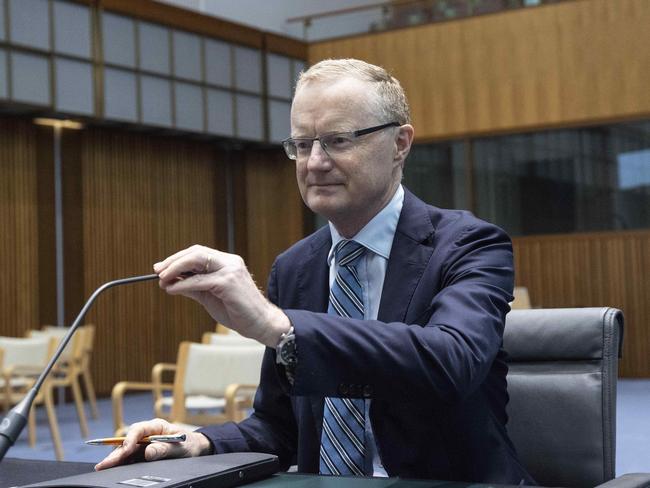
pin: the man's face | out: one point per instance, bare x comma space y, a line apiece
352, 187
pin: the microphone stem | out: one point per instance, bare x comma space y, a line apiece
80, 317
13, 424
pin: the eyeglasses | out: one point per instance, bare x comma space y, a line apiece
334, 143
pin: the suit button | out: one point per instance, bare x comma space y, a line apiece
343, 389
367, 391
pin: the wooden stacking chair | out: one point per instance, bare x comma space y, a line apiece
160, 371
21, 361
68, 370
212, 384
88, 333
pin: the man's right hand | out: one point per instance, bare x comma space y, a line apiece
195, 444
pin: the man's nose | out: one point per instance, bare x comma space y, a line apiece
318, 157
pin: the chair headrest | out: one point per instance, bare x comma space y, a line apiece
561, 333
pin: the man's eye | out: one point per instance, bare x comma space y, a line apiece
303, 145
340, 141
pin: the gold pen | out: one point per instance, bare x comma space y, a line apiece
117, 441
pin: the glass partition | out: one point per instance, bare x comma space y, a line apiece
153, 45
3, 74
29, 24
368, 16
560, 181
140, 72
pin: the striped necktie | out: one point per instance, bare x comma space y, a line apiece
342, 449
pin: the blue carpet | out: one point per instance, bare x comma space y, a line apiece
633, 429
136, 407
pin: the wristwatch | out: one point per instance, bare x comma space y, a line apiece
286, 353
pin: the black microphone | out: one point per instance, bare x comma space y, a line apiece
14, 423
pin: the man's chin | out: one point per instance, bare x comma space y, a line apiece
326, 206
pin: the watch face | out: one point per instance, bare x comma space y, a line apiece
288, 351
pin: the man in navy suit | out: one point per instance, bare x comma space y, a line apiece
421, 359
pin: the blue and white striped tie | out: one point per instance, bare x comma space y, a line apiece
342, 449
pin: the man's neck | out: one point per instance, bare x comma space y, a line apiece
348, 228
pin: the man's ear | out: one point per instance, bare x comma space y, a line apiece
403, 141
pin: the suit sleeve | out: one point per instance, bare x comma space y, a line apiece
444, 356
272, 426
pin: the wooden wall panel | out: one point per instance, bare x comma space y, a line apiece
19, 279
274, 213
572, 63
144, 197
593, 270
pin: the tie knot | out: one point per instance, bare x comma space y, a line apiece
348, 252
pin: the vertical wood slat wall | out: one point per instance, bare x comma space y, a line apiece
274, 213
592, 270
130, 199
557, 65
19, 280
144, 198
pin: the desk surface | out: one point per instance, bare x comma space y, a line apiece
17, 472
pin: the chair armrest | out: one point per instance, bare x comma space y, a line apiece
12, 372
117, 399
157, 372
631, 480
160, 368
27, 371
234, 402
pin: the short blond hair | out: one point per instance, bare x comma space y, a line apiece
391, 102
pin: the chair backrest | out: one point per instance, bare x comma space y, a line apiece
563, 366
232, 339
72, 349
88, 344
208, 369
222, 329
29, 354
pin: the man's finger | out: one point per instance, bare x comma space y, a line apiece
162, 265
114, 458
158, 450
194, 263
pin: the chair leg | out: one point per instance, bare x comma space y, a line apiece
31, 426
54, 425
90, 390
76, 393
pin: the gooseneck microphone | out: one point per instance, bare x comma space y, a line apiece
12, 425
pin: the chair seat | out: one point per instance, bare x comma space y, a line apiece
19, 382
196, 402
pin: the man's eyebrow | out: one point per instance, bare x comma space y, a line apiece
323, 133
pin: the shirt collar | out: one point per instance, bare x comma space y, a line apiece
377, 235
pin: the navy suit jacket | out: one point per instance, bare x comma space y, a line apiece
431, 363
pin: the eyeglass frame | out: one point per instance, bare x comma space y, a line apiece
354, 134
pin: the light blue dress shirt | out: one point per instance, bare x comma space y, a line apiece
377, 236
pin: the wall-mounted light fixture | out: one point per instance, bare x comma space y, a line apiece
60, 123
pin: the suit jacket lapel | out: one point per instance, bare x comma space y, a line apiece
313, 283
409, 256
313, 278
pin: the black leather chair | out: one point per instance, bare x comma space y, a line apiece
562, 385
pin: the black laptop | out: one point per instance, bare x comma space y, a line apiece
216, 471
